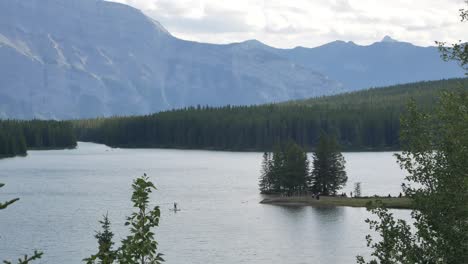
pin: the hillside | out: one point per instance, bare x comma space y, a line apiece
396, 96
365, 120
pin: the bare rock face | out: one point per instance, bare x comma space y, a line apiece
88, 58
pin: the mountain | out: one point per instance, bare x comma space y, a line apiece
88, 58
383, 63
389, 39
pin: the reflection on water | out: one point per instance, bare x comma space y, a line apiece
64, 193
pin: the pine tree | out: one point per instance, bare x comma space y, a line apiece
337, 167
286, 171
277, 170
266, 174
105, 255
296, 171
328, 174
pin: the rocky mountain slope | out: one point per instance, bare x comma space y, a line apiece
89, 58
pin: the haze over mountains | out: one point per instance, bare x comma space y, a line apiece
87, 58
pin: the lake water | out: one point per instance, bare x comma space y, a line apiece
65, 192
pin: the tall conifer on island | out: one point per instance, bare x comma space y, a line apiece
328, 174
286, 171
26, 259
296, 171
277, 169
266, 176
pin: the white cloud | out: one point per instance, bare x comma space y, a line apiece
308, 22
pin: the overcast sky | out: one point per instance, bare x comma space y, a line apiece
309, 23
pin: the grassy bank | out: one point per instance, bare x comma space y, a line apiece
393, 202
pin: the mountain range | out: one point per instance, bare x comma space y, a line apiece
88, 58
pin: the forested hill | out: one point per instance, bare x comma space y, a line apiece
365, 120
16, 137
425, 93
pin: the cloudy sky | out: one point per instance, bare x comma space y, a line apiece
309, 23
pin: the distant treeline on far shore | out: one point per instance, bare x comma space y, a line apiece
16, 137
363, 120
367, 120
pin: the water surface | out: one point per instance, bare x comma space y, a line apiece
65, 192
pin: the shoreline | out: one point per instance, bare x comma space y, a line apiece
237, 150
35, 149
393, 202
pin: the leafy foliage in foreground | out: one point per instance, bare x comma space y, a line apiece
435, 155
435, 151
140, 247
457, 51
364, 120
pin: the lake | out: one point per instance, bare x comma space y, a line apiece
65, 192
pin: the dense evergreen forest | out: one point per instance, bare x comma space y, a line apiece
363, 120
424, 93
16, 137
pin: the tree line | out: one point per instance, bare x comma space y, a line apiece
16, 136
364, 120
286, 170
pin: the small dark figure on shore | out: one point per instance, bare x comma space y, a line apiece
399, 196
317, 197
351, 194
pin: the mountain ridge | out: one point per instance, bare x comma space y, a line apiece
89, 58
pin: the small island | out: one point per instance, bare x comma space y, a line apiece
287, 179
